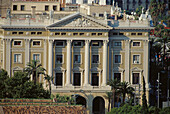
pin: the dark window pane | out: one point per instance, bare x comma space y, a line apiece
95, 79
77, 79
135, 78
59, 79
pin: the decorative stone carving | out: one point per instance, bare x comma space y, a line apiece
8, 33
87, 34
69, 34
27, 33
51, 34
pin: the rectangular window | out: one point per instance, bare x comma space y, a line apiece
77, 43
14, 7
117, 58
99, 34
38, 33
59, 79
117, 43
81, 34
115, 33
140, 34
46, 7
95, 58
101, 15
55, 8
117, 76
95, 43
20, 32
32, 33
14, 32
17, 43
77, 79
17, 58
95, 79
75, 34
120, 33
133, 34
135, 78
136, 43
59, 58
59, 43
36, 43
63, 33
36, 57
22, 7
93, 34
77, 58
135, 59
57, 33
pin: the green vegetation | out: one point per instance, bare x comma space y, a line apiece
64, 99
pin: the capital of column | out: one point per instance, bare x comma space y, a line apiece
87, 41
50, 41
105, 41
127, 42
69, 41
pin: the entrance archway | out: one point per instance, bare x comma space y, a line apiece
98, 105
80, 100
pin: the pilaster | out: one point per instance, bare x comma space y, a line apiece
50, 57
127, 60
8, 56
27, 51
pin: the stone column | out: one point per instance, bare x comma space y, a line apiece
50, 58
4, 54
45, 60
104, 81
146, 63
127, 60
8, 56
27, 51
69, 58
87, 63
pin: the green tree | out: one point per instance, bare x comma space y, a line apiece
139, 11
3, 76
115, 85
144, 101
125, 89
35, 69
108, 96
48, 79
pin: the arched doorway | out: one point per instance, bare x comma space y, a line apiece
80, 100
98, 105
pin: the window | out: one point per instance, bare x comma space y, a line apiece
133, 34
36, 57
59, 79
32, 33
139, 33
95, 59
63, 33
77, 43
14, 32
22, 7
117, 76
46, 8
77, 58
14, 7
59, 58
17, 58
100, 15
117, 58
17, 43
115, 33
95, 43
59, 43
20, 32
77, 79
99, 34
135, 59
55, 8
36, 43
136, 43
95, 79
93, 34
57, 33
117, 43
75, 34
39, 33
81, 34
120, 33
135, 78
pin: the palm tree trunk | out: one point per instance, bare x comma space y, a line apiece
109, 106
113, 100
34, 77
124, 97
50, 87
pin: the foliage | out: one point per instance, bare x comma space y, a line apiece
48, 78
20, 86
108, 96
3, 76
139, 11
165, 110
34, 68
144, 101
64, 99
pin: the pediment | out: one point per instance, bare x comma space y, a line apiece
95, 69
78, 21
118, 69
77, 69
136, 69
17, 68
59, 69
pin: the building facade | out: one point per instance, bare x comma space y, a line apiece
81, 54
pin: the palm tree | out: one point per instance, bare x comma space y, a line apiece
48, 79
126, 89
115, 85
109, 97
34, 68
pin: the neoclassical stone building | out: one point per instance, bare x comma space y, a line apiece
80, 53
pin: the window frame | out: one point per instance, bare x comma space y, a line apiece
138, 77
16, 7
133, 58
37, 54
36, 45
98, 59
96, 46
59, 41
115, 58
17, 45
136, 42
117, 42
56, 58
22, 7
77, 41
46, 6
80, 58
16, 61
